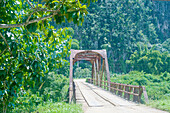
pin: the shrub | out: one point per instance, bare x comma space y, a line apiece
56, 86
54, 89
27, 102
82, 73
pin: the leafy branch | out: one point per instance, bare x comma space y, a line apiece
6, 44
30, 21
30, 4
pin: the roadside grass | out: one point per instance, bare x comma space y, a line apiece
59, 107
163, 104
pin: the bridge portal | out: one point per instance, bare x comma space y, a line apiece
100, 67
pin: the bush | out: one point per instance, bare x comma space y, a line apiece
56, 86
54, 89
27, 102
82, 73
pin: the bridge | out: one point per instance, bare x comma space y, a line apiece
98, 94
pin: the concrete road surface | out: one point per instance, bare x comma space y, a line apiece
96, 100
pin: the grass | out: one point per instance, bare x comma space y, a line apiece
163, 104
59, 107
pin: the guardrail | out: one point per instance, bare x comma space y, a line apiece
123, 90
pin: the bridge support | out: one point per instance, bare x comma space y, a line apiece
97, 58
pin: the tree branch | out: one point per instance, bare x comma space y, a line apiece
29, 22
6, 44
3, 51
37, 3
29, 17
41, 9
30, 4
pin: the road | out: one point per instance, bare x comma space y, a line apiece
97, 100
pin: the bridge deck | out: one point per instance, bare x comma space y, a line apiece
97, 100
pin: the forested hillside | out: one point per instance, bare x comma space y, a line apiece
119, 26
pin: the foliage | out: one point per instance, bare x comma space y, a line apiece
75, 44
157, 86
150, 61
59, 108
64, 70
117, 26
30, 46
53, 89
161, 11
166, 45
56, 87
82, 73
27, 102
28, 13
32, 57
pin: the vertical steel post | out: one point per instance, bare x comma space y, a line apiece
71, 79
107, 71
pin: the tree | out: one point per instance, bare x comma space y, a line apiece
30, 46
75, 44
150, 61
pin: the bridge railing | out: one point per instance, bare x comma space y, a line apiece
129, 92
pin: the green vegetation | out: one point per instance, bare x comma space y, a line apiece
119, 25
149, 61
75, 44
157, 86
51, 97
161, 103
53, 89
31, 46
59, 108
52, 107
82, 73
35, 43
